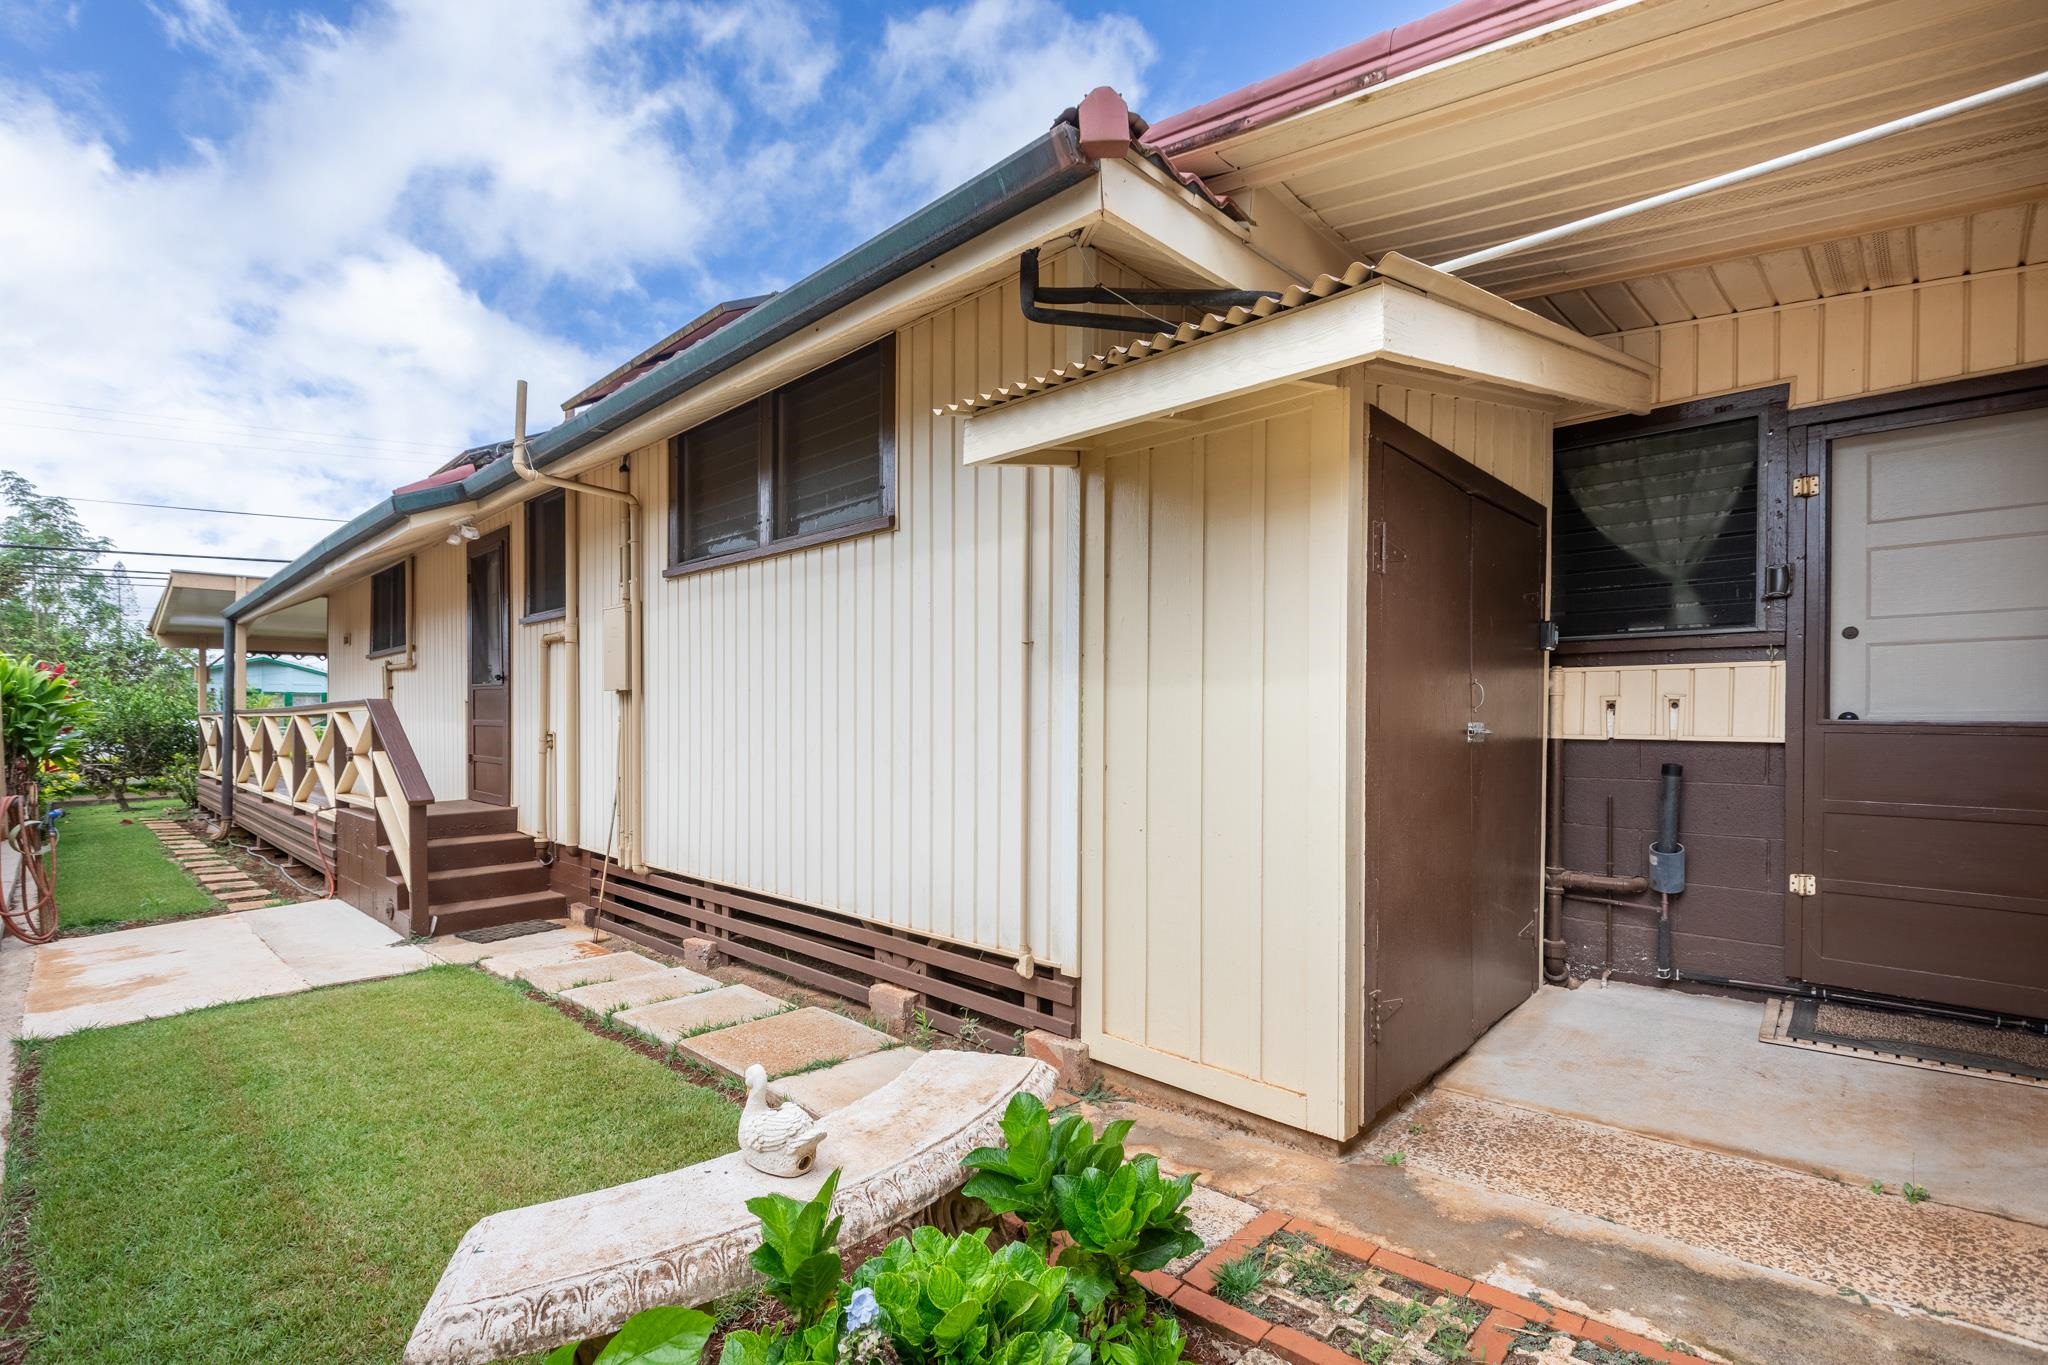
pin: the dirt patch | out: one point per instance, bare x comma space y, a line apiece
17, 1272
1371, 1313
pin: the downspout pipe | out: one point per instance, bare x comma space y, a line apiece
1032, 298
1905, 124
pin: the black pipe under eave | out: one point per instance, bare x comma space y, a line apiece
1032, 298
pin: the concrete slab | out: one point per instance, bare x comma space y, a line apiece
518, 964
590, 971
1215, 1217
449, 948
670, 983
821, 1092
1689, 1068
671, 1020
330, 941
145, 973
17, 962
788, 1042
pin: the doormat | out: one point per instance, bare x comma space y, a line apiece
498, 932
1954, 1045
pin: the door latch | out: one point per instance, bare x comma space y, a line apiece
1476, 732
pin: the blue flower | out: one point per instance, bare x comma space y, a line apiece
862, 1310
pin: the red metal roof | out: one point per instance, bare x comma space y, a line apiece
1450, 31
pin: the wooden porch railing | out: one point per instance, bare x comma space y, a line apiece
313, 759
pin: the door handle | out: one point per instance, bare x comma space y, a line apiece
1476, 732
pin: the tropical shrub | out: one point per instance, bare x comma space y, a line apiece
1153, 1341
1018, 1177
950, 1300
140, 727
657, 1336
1122, 1221
42, 717
799, 1252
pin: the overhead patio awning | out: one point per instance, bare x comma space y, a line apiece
189, 616
1432, 329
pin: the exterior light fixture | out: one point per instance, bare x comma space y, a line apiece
463, 532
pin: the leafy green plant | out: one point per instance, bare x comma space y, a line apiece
1915, 1194
1155, 1341
1238, 1280
1877, 1187
1394, 1159
42, 716
951, 1299
655, 1336
1123, 1220
817, 1344
1018, 1176
799, 1251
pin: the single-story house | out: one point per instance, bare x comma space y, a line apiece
294, 682
1228, 590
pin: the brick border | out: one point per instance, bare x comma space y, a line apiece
1189, 1293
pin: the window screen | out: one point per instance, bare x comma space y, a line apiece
720, 486
829, 448
387, 610
546, 569
1657, 533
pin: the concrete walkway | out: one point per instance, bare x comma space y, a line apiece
818, 1058
161, 969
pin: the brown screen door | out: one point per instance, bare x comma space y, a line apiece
1923, 817
1454, 716
490, 691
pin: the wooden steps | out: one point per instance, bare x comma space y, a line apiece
482, 870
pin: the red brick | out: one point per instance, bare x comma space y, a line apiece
1304, 1349
1571, 1324
1620, 1340
1201, 1277
1255, 1232
1158, 1285
1407, 1267
1343, 1243
1494, 1297
1495, 1337
1220, 1315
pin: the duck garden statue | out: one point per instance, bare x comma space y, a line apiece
776, 1141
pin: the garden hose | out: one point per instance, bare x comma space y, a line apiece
28, 900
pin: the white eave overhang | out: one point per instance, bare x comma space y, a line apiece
1435, 330
189, 615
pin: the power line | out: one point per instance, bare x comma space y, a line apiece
219, 445
179, 507
147, 554
161, 419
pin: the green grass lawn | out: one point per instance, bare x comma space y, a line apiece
110, 873
284, 1180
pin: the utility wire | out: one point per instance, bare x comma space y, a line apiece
147, 554
223, 445
179, 507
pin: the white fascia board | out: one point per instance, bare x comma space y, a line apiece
1377, 321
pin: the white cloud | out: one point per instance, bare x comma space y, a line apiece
363, 248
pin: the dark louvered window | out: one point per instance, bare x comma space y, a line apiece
387, 610
1656, 533
720, 469
547, 588
811, 462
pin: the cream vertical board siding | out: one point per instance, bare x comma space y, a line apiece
1217, 616
1511, 443
1854, 344
884, 726
1726, 702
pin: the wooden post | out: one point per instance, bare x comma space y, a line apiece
230, 679
202, 682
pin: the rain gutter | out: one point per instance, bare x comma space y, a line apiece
1025, 178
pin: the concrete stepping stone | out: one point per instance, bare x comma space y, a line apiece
630, 992
518, 964
671, 1020
589, 971
451, 948
835, 1087
788, 1042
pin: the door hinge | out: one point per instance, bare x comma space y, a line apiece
1377, 1013
1806, 486
1804, 884
1378, 550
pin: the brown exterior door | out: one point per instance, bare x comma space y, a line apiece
490, 688
1923, 764
1453, 766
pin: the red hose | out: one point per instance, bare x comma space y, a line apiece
28, 902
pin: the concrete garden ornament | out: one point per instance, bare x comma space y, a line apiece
775, 1141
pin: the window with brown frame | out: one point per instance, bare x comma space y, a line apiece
387, 610
547, 592
812, 462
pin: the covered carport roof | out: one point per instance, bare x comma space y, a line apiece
192, 614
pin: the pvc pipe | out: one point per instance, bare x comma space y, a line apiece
1761, 168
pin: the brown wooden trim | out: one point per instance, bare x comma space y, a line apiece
1730, 642
542, 618
831, 951
405, 567
528, 510
767, 508
391, 737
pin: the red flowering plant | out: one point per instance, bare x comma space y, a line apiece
42, 718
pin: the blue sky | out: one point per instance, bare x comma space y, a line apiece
292, 255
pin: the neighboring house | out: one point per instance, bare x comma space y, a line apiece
1185, 692
294, 682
